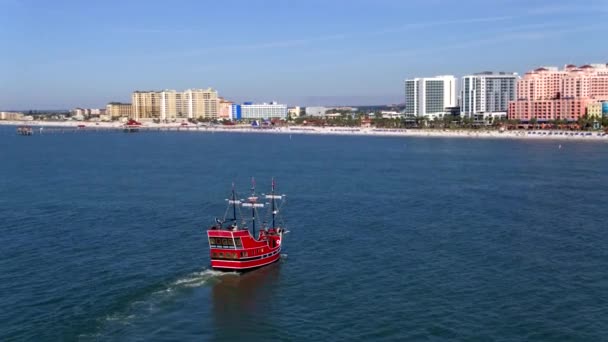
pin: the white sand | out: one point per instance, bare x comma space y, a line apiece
481, 133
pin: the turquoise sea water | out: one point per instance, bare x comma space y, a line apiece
102, 238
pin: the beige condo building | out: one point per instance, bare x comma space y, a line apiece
146, 104
170, 105
202, 103
173, 105
117, 110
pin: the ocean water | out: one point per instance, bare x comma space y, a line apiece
102, 238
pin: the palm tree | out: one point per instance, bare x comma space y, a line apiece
533, 122
583, 121
514, 122
467, 122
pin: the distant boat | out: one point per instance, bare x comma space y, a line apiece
235, 247
131, 126
25, 130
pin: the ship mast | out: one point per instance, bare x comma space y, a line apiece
252, 199
272, 201
274, 209
252, 202
233, 204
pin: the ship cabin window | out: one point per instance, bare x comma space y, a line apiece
227, 255
244, 254
228, 243
224, 242
237, 242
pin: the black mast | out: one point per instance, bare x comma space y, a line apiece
253, 204
233, 204
272, 200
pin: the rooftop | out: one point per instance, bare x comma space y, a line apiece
496, 73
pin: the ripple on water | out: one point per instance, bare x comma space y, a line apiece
144, 305
444, 240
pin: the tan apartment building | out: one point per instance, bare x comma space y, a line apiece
11, 116
118, 110
173, 105
202, 103
170, 105
146, 104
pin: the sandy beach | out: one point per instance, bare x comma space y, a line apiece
40, 126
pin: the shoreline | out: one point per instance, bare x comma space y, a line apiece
313, 130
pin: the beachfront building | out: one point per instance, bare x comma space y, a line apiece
547, 110
146, 105
429, 97
293, 112
594, 110
390, 114
235, 112
224, 109
118, 110
79, 112
202, 103
170, 105
316, 111
487, 94
173, 105
88, 112
11, 116
548, 94
263, 110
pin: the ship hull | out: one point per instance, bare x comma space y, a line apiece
246, 265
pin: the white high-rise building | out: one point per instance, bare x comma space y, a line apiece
487, 94
431, 96
263, 110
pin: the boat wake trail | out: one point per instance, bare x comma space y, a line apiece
139, 308
195, 279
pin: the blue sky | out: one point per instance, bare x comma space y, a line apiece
63, 54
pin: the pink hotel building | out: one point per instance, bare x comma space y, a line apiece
549, 94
